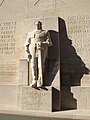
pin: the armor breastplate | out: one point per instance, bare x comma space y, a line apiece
38, 37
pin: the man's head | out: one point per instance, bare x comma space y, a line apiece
38, 25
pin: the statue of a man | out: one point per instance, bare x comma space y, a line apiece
36, 47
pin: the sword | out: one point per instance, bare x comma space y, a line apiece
39, 47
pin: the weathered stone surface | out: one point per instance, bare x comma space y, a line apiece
40, 100
8, 96
74, 35
23, 72
46, 99
81, 94
85, 81
11, 38
60, 9
74, 27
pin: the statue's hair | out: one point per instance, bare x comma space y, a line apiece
38, 22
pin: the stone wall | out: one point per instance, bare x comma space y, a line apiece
74, 27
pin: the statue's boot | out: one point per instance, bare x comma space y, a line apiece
39, 84
33, 84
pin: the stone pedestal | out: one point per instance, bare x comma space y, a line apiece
47, 98
81, 94
40, 99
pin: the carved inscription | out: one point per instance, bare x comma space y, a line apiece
35, 99
8, 61
7, 73
79, 33
7, 37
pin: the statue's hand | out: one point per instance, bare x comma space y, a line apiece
45, 44
39, 45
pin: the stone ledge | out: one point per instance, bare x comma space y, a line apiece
61, 115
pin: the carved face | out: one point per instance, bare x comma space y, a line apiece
38, 25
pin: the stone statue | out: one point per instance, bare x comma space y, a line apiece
36, 47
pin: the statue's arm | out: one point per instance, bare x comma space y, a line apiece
26, 45
48, 39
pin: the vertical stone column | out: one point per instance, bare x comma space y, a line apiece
23, 72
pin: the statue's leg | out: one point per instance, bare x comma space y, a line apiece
33, 68
40, 70
44, 55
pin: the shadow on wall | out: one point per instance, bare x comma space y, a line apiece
72, 68
71, 65
53, 61
51, 69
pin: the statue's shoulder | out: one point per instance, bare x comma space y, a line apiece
45, 31
30, 34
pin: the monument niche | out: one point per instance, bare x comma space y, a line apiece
36, 47
39, 69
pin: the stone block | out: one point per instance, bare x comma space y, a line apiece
47, 99
33, 99
85, 81
82, 96
8, 96
23, 72
19, 96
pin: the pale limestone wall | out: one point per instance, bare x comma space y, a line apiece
74, 34
75, 14
8, 96
12, 14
